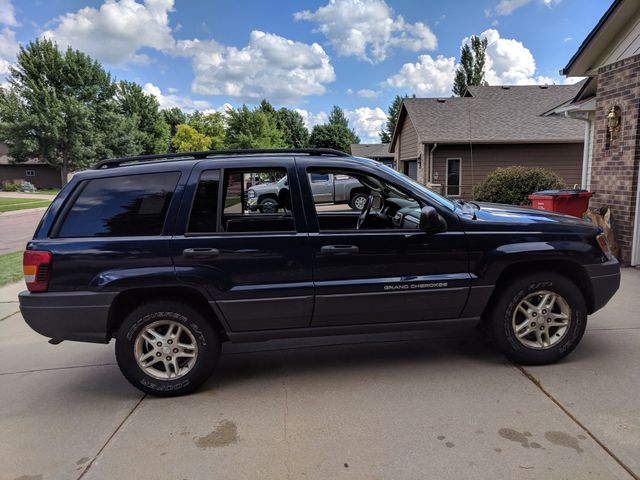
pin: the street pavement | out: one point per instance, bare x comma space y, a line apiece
17, 228
401, 406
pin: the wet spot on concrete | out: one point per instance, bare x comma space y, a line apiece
225, 434
163, 454
450, 444
441, 437
581, 437
499, 450
29, 477
514, 436
479, 431
526, 434
564, 439
83, 460
535, 445
346, 465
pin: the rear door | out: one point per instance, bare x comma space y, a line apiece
322, 187
255, 266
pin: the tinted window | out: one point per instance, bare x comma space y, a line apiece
204, 213
132, 205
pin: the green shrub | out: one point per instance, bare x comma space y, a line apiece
513, 185
10, 187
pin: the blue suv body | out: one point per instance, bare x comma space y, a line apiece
165, 255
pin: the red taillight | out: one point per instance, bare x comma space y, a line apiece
35, 266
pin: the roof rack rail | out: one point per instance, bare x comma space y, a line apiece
123, 161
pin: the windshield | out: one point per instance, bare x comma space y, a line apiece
416, 186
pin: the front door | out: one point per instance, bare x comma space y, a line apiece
255, 266
382, 273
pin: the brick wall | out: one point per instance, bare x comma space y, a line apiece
614, 172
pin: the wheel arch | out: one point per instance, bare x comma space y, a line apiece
265, 196
571, 270
127, 300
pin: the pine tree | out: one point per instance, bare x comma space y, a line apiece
392, 118
472, 64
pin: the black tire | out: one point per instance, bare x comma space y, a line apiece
499, 325
355, 197
206, 339
268, 205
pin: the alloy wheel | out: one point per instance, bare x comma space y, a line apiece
541, 320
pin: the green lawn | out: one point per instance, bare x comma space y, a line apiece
10, 268
8, 204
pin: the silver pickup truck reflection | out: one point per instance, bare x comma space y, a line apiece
326, 188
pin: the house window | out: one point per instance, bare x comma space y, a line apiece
453, 177
30, 173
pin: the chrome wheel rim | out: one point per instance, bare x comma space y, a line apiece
166, 350
541, 320
269, 207
359, 202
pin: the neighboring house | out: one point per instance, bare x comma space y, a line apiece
609, 101
35, 171
452, 144
376, 151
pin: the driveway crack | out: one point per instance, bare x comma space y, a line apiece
607, 450
90, 464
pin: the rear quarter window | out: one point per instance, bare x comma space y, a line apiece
134, 205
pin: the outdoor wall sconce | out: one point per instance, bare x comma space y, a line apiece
613, 121
435, 175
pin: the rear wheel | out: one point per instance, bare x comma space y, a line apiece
166, 348
538, 319
268, 205
358, 200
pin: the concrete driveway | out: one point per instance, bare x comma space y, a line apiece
18, 228
367, 407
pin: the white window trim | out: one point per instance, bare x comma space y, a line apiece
446, 178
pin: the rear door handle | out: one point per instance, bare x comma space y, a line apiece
200, 252
339, 249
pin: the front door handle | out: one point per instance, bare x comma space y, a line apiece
200, 252
339, 250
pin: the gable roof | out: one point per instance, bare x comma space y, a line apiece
371, 150
494, 114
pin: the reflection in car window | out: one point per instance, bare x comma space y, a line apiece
132, 205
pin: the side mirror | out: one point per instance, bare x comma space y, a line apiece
431, 221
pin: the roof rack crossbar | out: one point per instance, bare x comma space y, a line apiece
124, 161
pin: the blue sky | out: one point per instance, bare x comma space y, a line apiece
307, 55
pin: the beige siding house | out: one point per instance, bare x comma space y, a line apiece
452, 144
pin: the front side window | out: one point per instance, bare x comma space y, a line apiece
134, 205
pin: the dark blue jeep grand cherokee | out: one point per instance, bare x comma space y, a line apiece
165, 254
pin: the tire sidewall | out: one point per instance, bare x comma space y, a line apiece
505, 335
206, 340
269, 201
352, 202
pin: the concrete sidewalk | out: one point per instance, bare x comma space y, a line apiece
369, 407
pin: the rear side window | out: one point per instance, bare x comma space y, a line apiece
134, 205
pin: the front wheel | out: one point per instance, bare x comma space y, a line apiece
268, 205
358, 201
538, 319
166, 348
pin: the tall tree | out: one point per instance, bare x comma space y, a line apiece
152, 131
252, 129
188, 139
61, 108
392, 118
291, 125
472, 64
337, 117
210, 125
174, 117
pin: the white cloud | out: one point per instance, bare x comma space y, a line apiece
507, 7
4, 68
368, 93
367, 122
270, 66
367, 29
427, 77
116, 31
7, 13
185, 104
567, 39
312, 119
8, 44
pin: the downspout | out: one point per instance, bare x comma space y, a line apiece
586, 153
433, 149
